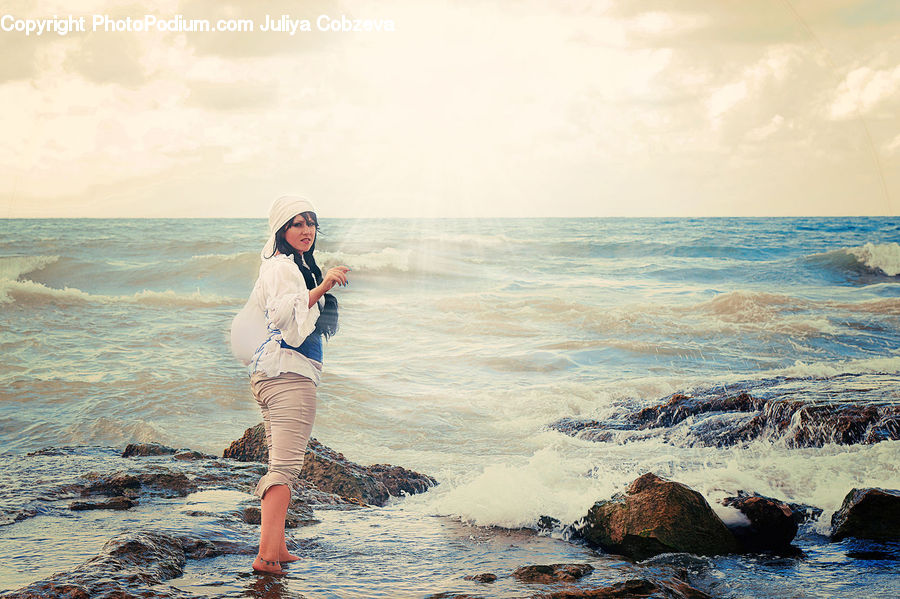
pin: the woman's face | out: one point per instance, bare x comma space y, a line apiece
301, 233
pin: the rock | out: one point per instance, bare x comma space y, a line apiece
13, 516
146, 449
550, 573
251, 447
869, 513
160, 482
772, 524
190, 455
548, 524
331, 472
803, 424
823, 415
486, 577
636, 588
113, 503
804, 513
169, 484
657, 516
127, 567
680, 407
113, 485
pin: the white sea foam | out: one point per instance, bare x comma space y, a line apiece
387, 260
517, 493
883, 257
800, 369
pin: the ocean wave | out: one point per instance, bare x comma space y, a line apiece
33, 294
13, 267
831, 369
387, 260
881, 259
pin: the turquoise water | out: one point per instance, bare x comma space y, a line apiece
460, 341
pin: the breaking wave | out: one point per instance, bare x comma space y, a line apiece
881, 259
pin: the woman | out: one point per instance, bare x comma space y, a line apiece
279, 333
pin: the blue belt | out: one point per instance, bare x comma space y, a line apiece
311, 347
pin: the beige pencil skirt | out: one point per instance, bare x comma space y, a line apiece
288, 405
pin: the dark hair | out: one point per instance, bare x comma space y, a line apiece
327, 324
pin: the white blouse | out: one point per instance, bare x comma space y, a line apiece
278, 309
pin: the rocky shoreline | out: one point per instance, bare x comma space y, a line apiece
651, 517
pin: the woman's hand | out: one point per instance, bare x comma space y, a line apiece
334, 276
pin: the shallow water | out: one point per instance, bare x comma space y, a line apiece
460, 342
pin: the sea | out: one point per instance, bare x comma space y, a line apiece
461, 341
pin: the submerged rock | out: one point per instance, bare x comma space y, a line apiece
550, 573
331, 472
127, 566
635, 588
113, 503
870, 513
485, 578
772, 523
656, 516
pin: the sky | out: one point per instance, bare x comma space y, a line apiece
505, 108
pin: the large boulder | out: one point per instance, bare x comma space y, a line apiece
868, 514
772, 524
655, 516
330, 471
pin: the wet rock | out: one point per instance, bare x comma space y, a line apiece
13, 516
772, 524
486, 577
169, 484
113, 503
656, 516
809, 416
251, 447
550, 573
161, 481
804, 513
146, 449
190, 455
869, 513
127, 567
680, 407
331, 472
548, 524
114, 485
803, 424
636, 588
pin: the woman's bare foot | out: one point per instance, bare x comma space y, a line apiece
286, 556
267, 566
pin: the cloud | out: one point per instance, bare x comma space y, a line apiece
865, 90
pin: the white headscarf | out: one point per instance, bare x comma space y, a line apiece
283, 210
